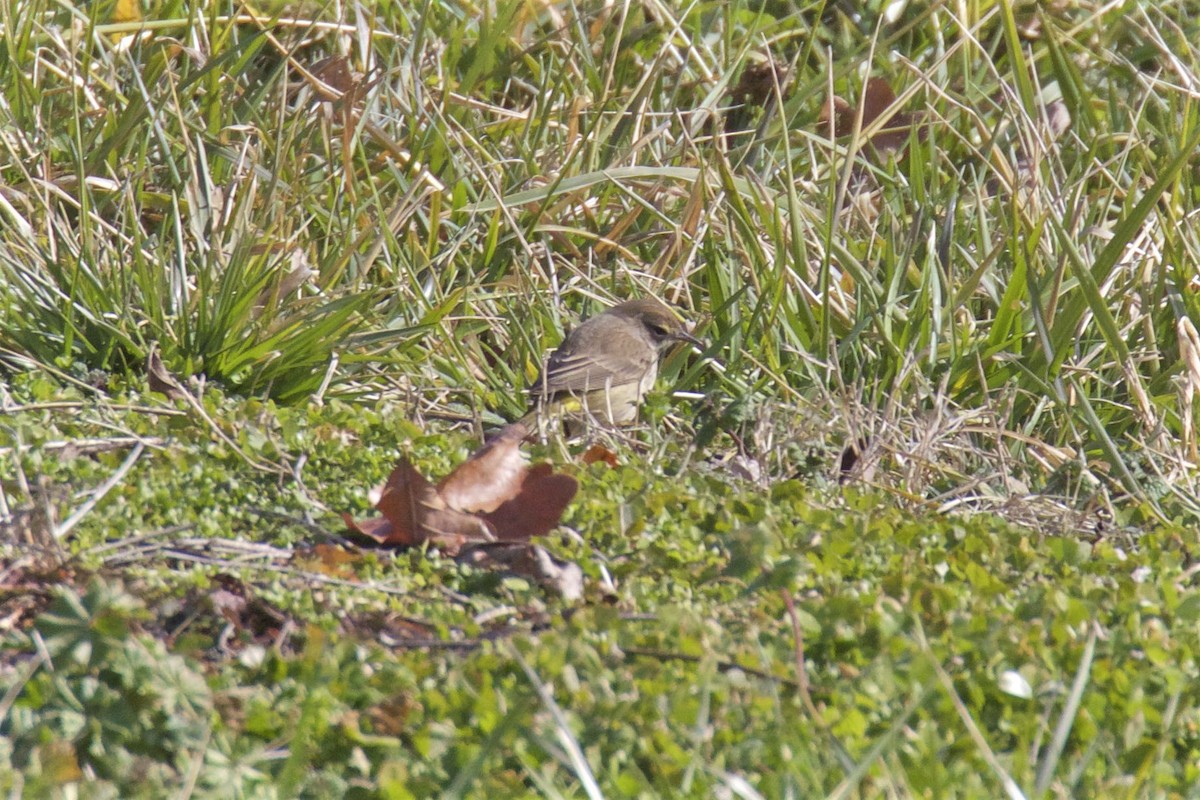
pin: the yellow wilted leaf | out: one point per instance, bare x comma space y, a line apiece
127, 11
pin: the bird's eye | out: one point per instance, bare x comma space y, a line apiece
659, 330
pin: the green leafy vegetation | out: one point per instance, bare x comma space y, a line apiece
916, 522
199, 639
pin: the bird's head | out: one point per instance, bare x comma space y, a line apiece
659, 321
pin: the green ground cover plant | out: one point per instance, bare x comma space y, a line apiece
916, 520
209, 635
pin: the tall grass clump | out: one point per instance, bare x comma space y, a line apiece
172, 187
990, 287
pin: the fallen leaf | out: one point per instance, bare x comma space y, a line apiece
159, 378
877, 100
490, 477
757, 82
284, 287
544, 497
840, 112
58, 763
342, 93
492, 495
598, 453
390, 716
754, 90
335, 72
414, 513
377, 528
127, 11
327, 559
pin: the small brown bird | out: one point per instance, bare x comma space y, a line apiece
608, 364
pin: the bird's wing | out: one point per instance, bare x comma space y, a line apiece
570, 371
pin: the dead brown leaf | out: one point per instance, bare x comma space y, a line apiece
878, 98
757, 82
284, 288
598, 453
335, 71
414, 513
159, 378
754, 90
491, 476
493, 495
538, 507
327, 559
344, 89
127, 11
390, 716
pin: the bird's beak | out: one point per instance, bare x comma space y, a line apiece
684, 336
